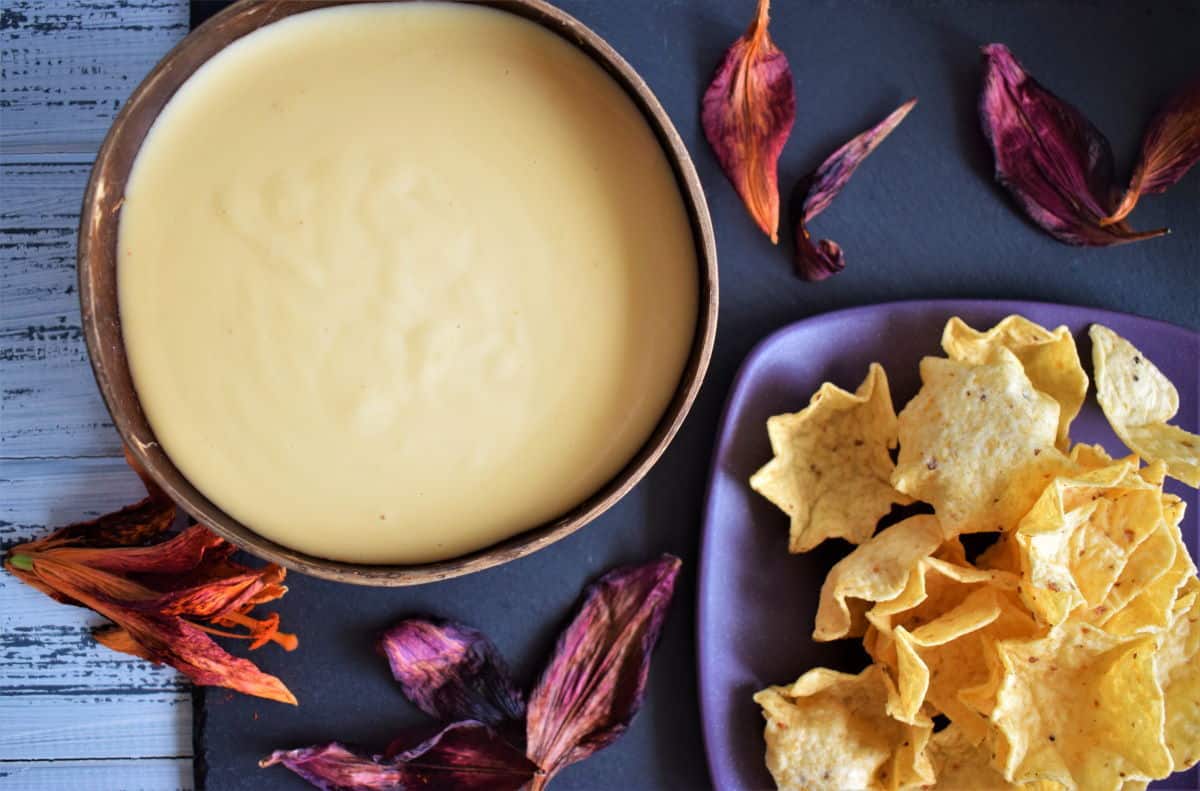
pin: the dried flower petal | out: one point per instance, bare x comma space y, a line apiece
1056, 164
463, 756
747, 113
818, 261
596, 680
1170, 147
164, 599
451, 671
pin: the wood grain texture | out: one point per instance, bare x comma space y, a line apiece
113, 774
95, 726
49, 405
73, 715
67, 65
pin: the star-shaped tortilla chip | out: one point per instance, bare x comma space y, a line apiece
1081, 707
1050, 359
831, 471
977, 442
830, 731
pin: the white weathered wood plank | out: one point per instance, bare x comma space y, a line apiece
39, 494
73, 715
120, 774
95, 726
67, 65
49, 405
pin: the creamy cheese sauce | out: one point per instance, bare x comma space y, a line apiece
399, 281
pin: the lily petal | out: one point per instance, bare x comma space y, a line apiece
451, 671
1056, 164
596, 680
818, 261
1170, 148
165, 639
464, 756
747, 113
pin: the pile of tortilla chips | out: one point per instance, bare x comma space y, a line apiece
1064, 655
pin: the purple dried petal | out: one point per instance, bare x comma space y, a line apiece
451, 671
464, 756
1056, 164
816, 262
1170, 147
747, 113
335, 767
835, 172
596, 680
823, 259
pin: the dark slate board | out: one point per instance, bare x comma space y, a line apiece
923, 218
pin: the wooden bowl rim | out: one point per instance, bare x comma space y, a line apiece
101, 321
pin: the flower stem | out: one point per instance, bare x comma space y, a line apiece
21, 561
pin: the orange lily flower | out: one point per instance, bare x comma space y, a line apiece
165, 597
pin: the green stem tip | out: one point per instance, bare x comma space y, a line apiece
22, 562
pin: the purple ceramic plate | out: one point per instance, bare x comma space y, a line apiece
757, 602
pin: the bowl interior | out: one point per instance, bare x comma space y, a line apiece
102, 323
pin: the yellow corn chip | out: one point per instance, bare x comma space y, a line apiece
831, 471
1090, 457
1153, 558
962, 764
1078, 537
1067, 655
830, 731
933, 589
977, 442
1138, 400
1081, 707
1050, 360
875, 571
1177, 667
936, 661
1150, 609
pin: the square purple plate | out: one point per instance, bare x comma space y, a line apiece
757, 602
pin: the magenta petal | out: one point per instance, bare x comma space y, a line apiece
595, 681
835, 172
1170, 148
1056, 164
747, 113
467, 755
451, 671
464, 756
335, 767
823, 259
816, 262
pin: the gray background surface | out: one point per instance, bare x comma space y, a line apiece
922, 218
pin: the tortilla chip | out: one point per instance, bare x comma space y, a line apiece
939, 659
831, 471
1090, 457
933, 674
1153, 558
933, 589
830, 730
1138, 400
877, 570
977, 442
961, 764
1076, 540
1177, 668
1151, 609
1050, 360
1081, 707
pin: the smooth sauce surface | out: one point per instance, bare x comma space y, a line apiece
400, 281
